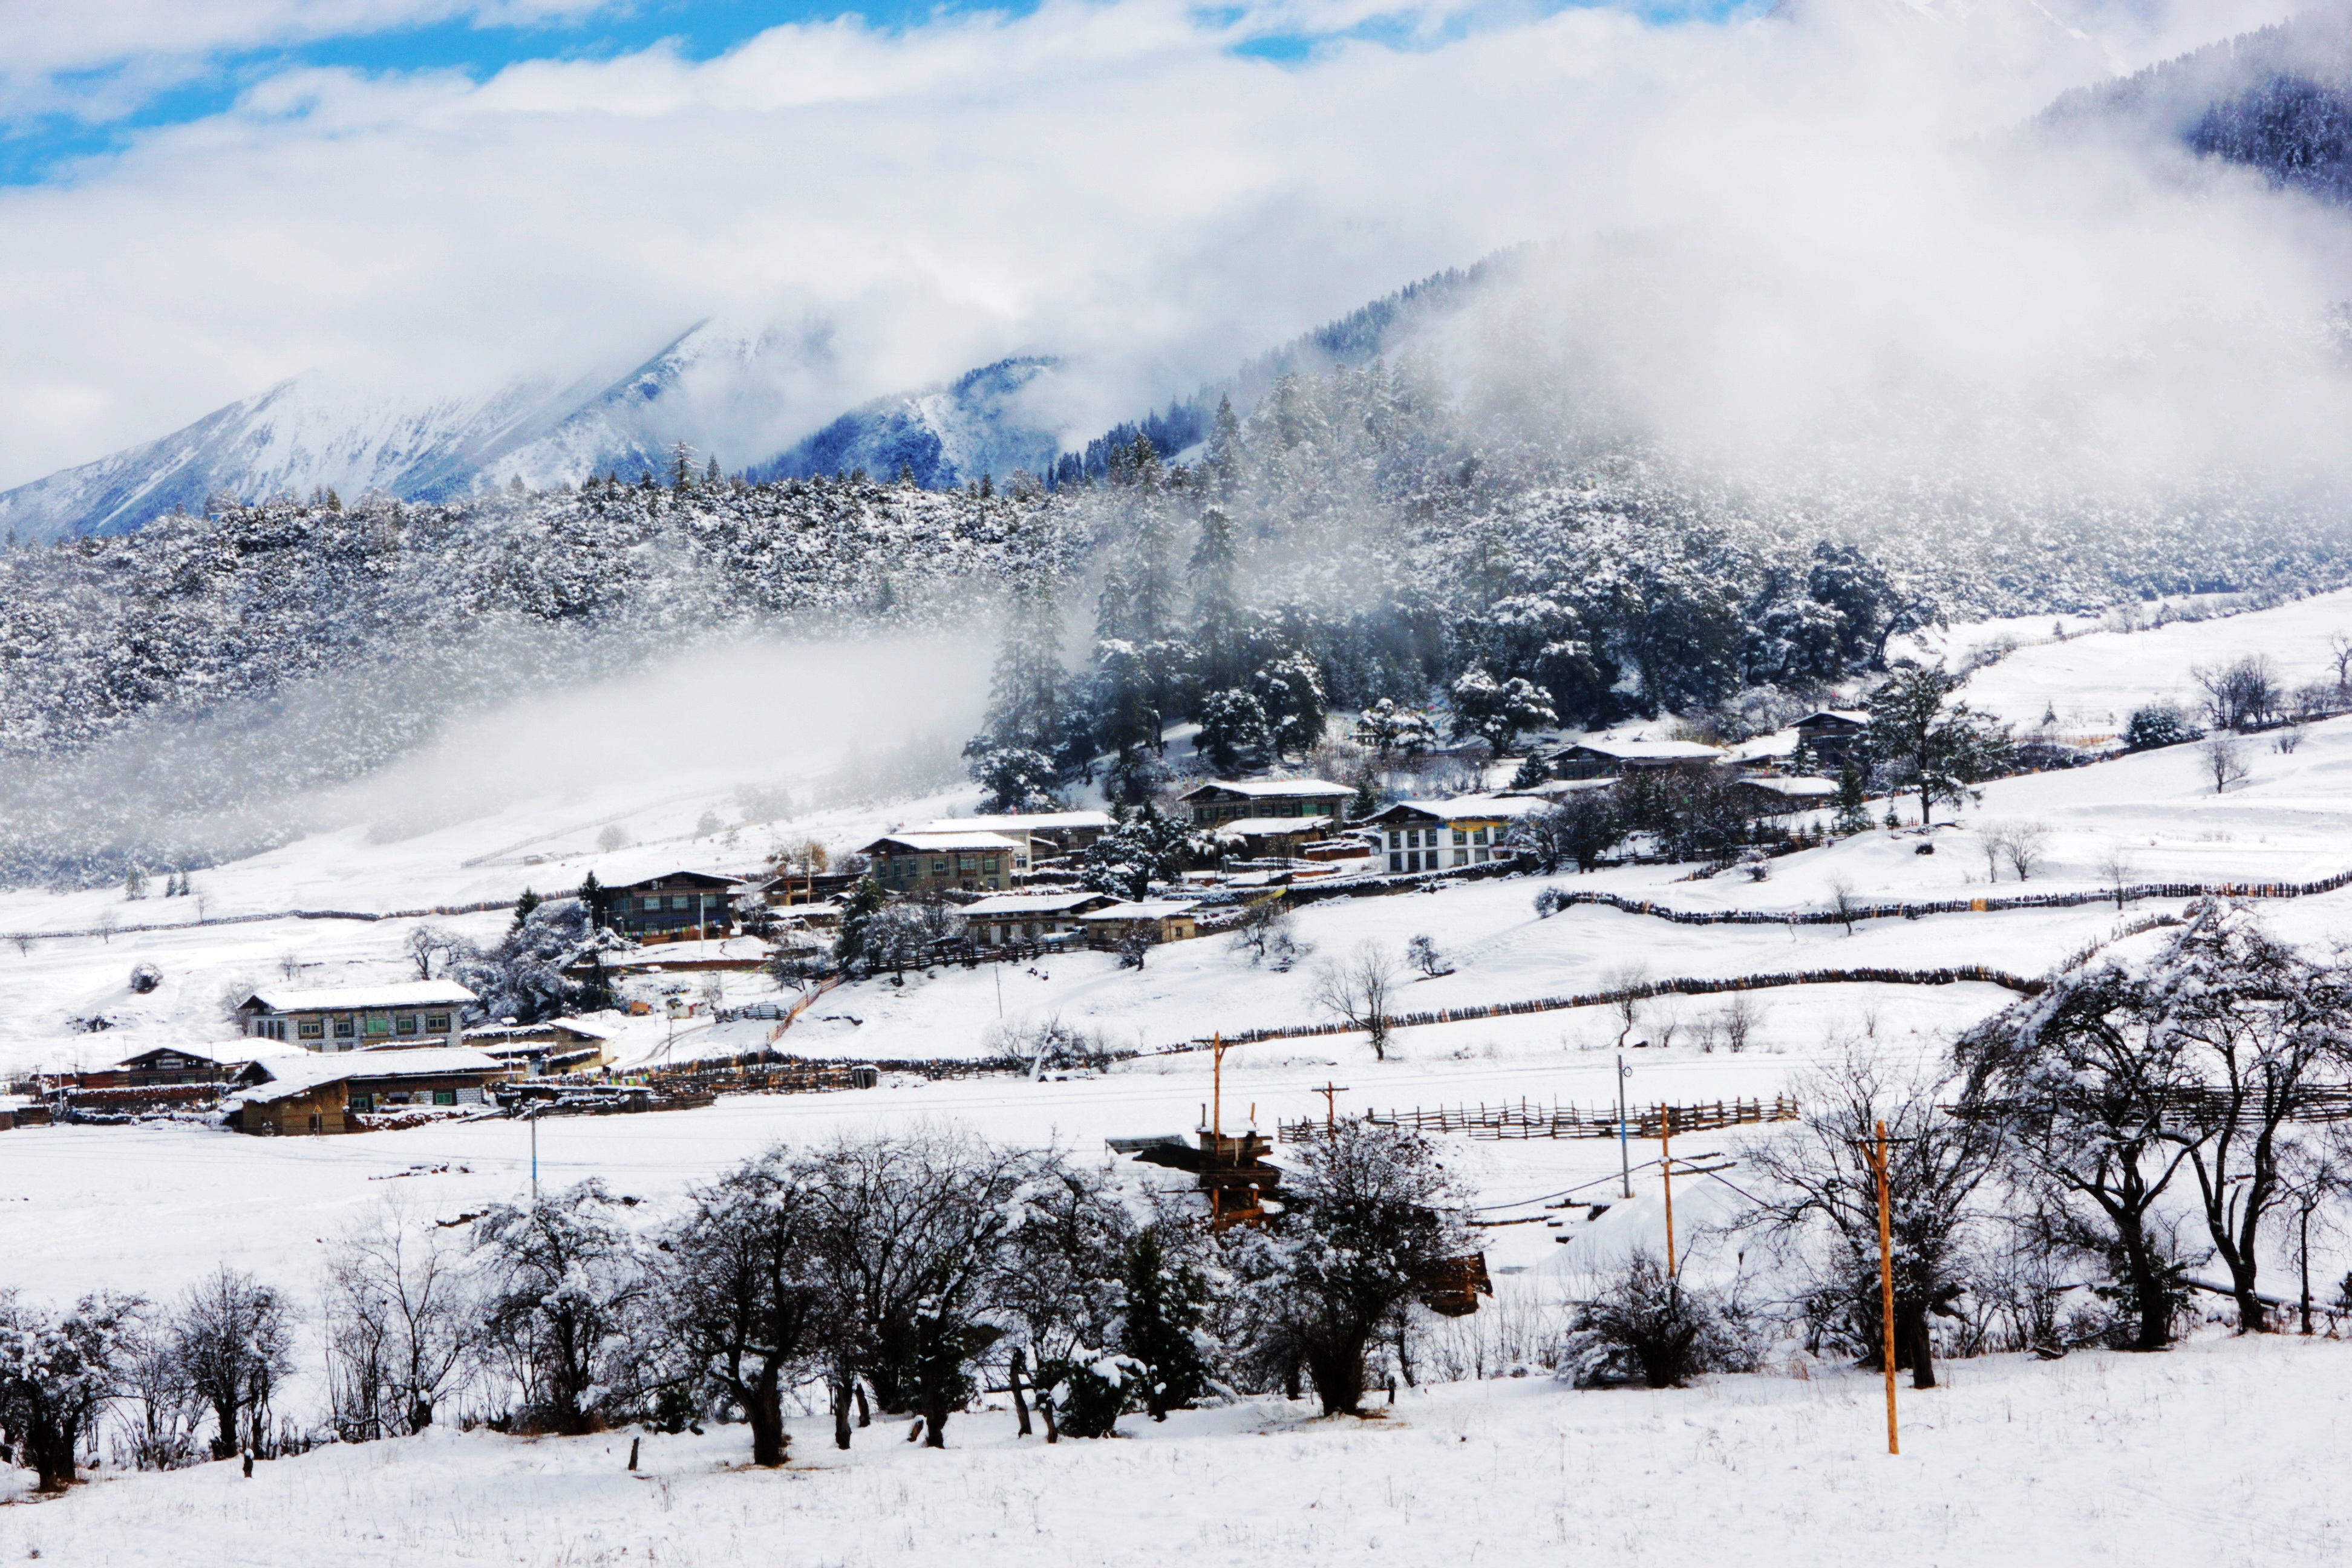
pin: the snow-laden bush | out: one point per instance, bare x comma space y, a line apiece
1646, 1326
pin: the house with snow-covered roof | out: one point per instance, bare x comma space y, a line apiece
1223, 801
1598, 759
351, 1017
1007, 920
672, 904
1040, 832
1168, 920
1833, 733
928, 862
324, 1095
1439, 835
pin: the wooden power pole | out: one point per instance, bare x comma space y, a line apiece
1331, 1092
1666, 1172
1886, 1281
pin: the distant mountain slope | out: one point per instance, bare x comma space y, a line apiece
946, 436
299, 435
2279, 101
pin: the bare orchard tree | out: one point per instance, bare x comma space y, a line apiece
56, 1372
1357, 990
1373, 1217
234, 1338
2024, 845
2079, 1083
2115, 868
746, 1293
403, 1326
1267, 934
1624, 985
2261, 1030
425, 943
2339, 654
2223, 760
912, 1228
1819, 1192
566, 1290
162, 1416
2241, 695
1738, 1020
1844, 904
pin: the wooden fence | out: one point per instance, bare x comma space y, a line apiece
1526, 1119
1985, 905
1654, 988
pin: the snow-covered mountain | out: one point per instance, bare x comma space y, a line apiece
978, 424
747, 394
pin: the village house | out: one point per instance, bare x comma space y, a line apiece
1040, 833
1602, 759
796, 890
556, 1044
1004, 919
1168, 920
299, 1095
1776, 794
1439, 835
1833, 733
1271, 837
673, 904
1214, 804
412, 1012
926, 862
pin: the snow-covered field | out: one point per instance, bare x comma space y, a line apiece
2215, 1455
2012, 1462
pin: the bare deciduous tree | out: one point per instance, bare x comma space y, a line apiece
403, 1326
2022, 845
425, 943
1357, 990
234, 1338
2223, 760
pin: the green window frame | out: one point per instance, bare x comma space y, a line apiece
436, 1023
444, 1097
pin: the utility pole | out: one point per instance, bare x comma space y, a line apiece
1331, 1107
1624, 1137
534, 1156
1217, 1086
999, 971
1667, 1172
1886, 1281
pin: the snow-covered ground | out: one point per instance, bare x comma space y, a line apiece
2012, 1462
2214, 1455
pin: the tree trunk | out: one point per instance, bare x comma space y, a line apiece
841, 1416
51, 1453
765, 1410
864, 1412
1911, 1327
1020, 1404
2155, 1312
1338, 1369
1045, 1408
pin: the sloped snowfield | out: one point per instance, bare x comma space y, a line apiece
2215, 1455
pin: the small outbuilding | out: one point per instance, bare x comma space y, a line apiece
314, 1095
1009, 919
1168, 920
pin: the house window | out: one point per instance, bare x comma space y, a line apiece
1479, 837
653, 901
408, 1023
1462, 857
363, 1102
1482, 857
1461, 836
444, 1097
436, 1023
679, 901
311, 1028
379, 1025
1396, 862
940, 867
346, 1027
988, 864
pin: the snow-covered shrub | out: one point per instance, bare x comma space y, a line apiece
1642, 1326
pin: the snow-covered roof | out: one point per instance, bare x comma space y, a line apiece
1002, 904
1649, 751
1273, 789
1794, 786
289, 1077
1144, 910
1032, 822
1850, 715
364, 998
245, 1049
1468, 808
945, 842
1253, 826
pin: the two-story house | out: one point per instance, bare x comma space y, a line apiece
1214, 804
351, 1018
937, 862
1440, 835
673, 903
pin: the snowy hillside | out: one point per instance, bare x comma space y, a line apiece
979, 424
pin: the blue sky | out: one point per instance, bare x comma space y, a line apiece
96, 103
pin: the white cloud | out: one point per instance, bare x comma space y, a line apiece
1106, 180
